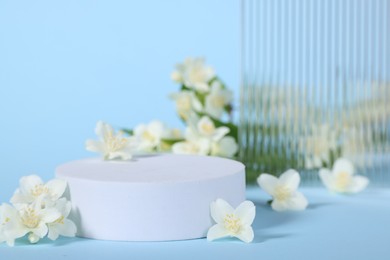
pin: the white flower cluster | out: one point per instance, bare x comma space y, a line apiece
201, 103
38, 210
202, 137
155, 137
145, 138
201, 90
318, 145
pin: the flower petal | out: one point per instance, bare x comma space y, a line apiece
358, 184
297, 202
102, 129
279, 206
290, 179
343, 165
219, 209
68, 229
50, 215
28, 183
220, 132
139, 129
56, 187
18, 198
246, 212
246, 234
226, 147
95, 146
13, 230
326, 178
267, 182
156, 128
41, 230
11, 242
216, 231
53, 233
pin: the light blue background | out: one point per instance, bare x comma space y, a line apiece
64, 65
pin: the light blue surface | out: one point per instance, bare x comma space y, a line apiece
64, 65
333, 227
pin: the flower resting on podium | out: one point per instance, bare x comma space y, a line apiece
110, 144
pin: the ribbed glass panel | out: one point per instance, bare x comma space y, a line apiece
315, 86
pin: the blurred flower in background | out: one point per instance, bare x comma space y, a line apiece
204, 105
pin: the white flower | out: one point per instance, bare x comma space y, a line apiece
283, 190
355, 146
173, 134
217, 100
205, 127
193, 73
149, 136
317, 146
200, 146
186, 103
32, 187
226, 147
62, 225
30, 219
202, 137
342, 179
232, 222
110, 144
8, 214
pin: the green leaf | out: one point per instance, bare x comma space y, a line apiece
128, 131
184, 87
171, 141
218, 123
201, 97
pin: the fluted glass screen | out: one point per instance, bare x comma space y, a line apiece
315, 86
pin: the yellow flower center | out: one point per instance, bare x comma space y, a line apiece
208, 129
148, 136
232, 223
29, 218
60, 220
192, 148
196, 75
184, 103
343, 179
38, 190
282, 193
218, 101
115, 143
